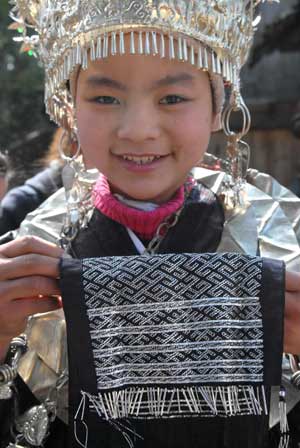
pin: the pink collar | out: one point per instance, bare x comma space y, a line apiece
143, 223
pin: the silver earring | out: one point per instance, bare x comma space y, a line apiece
237, 154
73, 191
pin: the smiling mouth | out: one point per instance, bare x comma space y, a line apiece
141, 160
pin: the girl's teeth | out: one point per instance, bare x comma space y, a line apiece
140, 160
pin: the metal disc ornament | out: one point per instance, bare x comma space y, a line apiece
34, 425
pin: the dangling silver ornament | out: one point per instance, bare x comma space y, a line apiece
34, 425
5, 392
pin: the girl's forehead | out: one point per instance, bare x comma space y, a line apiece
141, 70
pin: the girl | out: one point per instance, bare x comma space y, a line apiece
138, 87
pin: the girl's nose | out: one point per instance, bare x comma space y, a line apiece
139, 124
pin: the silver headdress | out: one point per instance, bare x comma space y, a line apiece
212, 35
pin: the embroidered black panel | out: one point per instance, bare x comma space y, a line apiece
175, 319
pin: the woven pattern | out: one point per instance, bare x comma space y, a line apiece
175, 319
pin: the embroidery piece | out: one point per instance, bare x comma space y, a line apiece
173, 335
176, 320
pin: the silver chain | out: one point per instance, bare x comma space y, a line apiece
167, 224
162, 231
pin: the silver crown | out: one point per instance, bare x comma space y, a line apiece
213, 35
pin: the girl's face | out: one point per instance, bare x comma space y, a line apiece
143, 122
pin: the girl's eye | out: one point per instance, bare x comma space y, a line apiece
106, 100
172, 99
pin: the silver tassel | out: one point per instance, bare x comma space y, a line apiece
113, 44
162, 46
200, 58
154, 43
219, 66
84, 59
180, 49
185, 50
224, 69
78, 54
214, 65
171, 47
99, 48
192, 55
147, 44
141, 43
122, 43
93, 51
132, 42
105, 46
206, 66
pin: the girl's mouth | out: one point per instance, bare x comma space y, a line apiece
141, 160
141, 163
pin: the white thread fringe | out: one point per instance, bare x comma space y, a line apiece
156, 402
283, 421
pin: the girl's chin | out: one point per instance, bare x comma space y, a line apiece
141, 194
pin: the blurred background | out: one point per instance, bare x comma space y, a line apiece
271, 88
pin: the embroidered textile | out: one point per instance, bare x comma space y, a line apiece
174, 335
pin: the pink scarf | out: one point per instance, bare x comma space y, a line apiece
143, 223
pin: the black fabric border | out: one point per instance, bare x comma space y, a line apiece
78, 332
80, 352
272, 302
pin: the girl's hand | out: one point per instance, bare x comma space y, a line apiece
28, 282
292, 314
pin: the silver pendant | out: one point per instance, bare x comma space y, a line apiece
34, 425
68, 176
5, 392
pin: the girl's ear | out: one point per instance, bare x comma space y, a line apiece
216, 122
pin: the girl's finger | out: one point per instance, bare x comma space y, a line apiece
28, 287
28, 265
28, 307
292, 281
30, 244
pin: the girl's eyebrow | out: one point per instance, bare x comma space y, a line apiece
103, 81
173, 79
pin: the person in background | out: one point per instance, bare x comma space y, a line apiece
20, 201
